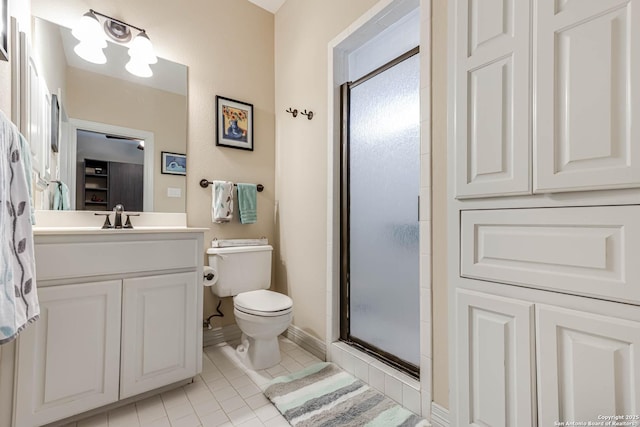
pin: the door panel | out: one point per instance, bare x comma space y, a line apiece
587, 365
492, 131
159, 332
587, 58
68, 361
586, 251
495, 362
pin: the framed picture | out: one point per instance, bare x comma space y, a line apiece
234, 124
4, 30
55, 122
174, 163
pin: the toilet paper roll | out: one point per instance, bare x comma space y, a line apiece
210, 276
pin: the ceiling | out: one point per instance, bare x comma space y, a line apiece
270, 5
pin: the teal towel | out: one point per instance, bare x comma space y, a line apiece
248, 203
61, 201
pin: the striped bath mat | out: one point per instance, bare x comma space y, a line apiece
324, 395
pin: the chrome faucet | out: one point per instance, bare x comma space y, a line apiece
119, 210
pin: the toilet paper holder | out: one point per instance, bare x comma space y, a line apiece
208, 276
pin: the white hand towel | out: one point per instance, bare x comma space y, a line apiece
222, 201
18, 296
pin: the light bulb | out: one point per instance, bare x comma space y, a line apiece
90, 52
142, 49
138, 68
89, 30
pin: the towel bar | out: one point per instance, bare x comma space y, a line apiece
204, 183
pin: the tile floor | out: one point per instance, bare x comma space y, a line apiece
224, 394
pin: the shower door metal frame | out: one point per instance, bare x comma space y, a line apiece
345, 200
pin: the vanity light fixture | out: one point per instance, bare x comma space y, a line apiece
91, 52
138, 68
91, 37
92, 41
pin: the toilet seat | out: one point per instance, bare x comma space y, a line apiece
263, 303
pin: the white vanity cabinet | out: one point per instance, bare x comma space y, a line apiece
121, 315
544, 96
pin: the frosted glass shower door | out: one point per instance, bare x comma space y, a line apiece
383, 186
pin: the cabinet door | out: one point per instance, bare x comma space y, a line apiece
587, 365
587, 63
495, 364
126, 186
492, 96
68, 361
160, 325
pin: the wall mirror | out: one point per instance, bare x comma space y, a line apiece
113, 125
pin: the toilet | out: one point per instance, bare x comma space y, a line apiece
244, 272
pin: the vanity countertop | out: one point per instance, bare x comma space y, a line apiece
86, 223
40, 231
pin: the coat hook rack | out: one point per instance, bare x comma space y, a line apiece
293, 112
308, 114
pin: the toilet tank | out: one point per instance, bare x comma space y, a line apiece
240, 269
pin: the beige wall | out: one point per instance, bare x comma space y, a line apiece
49, 55
227, 46
302, 33
439, 201
21, 10
98, 98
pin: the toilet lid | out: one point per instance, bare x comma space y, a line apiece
263, 302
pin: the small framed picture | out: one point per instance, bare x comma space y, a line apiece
174, 163
4, 30
234, 124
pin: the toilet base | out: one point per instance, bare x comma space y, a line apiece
259, 354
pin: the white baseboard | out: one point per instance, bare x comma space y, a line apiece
439, 416
227, 334
231, 334
308, 342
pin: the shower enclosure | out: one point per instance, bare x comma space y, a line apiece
380, 179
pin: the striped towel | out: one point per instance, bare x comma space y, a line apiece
325, 395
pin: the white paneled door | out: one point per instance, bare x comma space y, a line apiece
69, 359
587, 366
586, 60
492, 67
159, 332
495, 363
